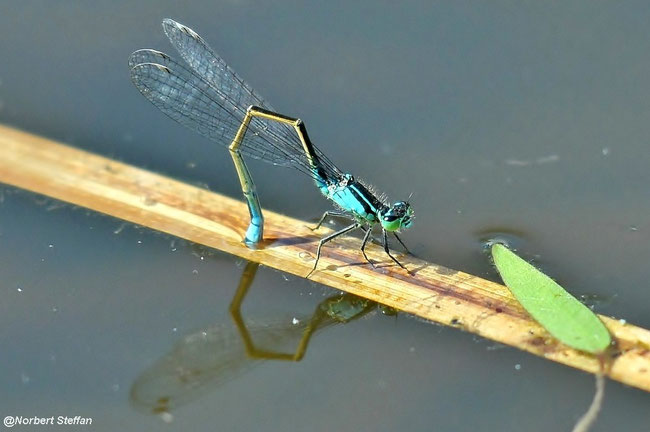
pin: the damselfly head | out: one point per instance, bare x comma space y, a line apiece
399, 216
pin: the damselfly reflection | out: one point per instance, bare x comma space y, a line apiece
205, 360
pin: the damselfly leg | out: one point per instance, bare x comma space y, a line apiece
331, 237
330, 213
363, 245
385, 244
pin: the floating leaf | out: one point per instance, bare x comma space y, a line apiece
561, 314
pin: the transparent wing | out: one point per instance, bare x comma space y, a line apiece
189, 100
210, 98
209, 66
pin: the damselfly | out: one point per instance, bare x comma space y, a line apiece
207, 96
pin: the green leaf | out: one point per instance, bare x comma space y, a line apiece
561, 314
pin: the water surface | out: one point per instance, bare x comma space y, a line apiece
528, 119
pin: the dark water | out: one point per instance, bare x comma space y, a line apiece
529, 120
